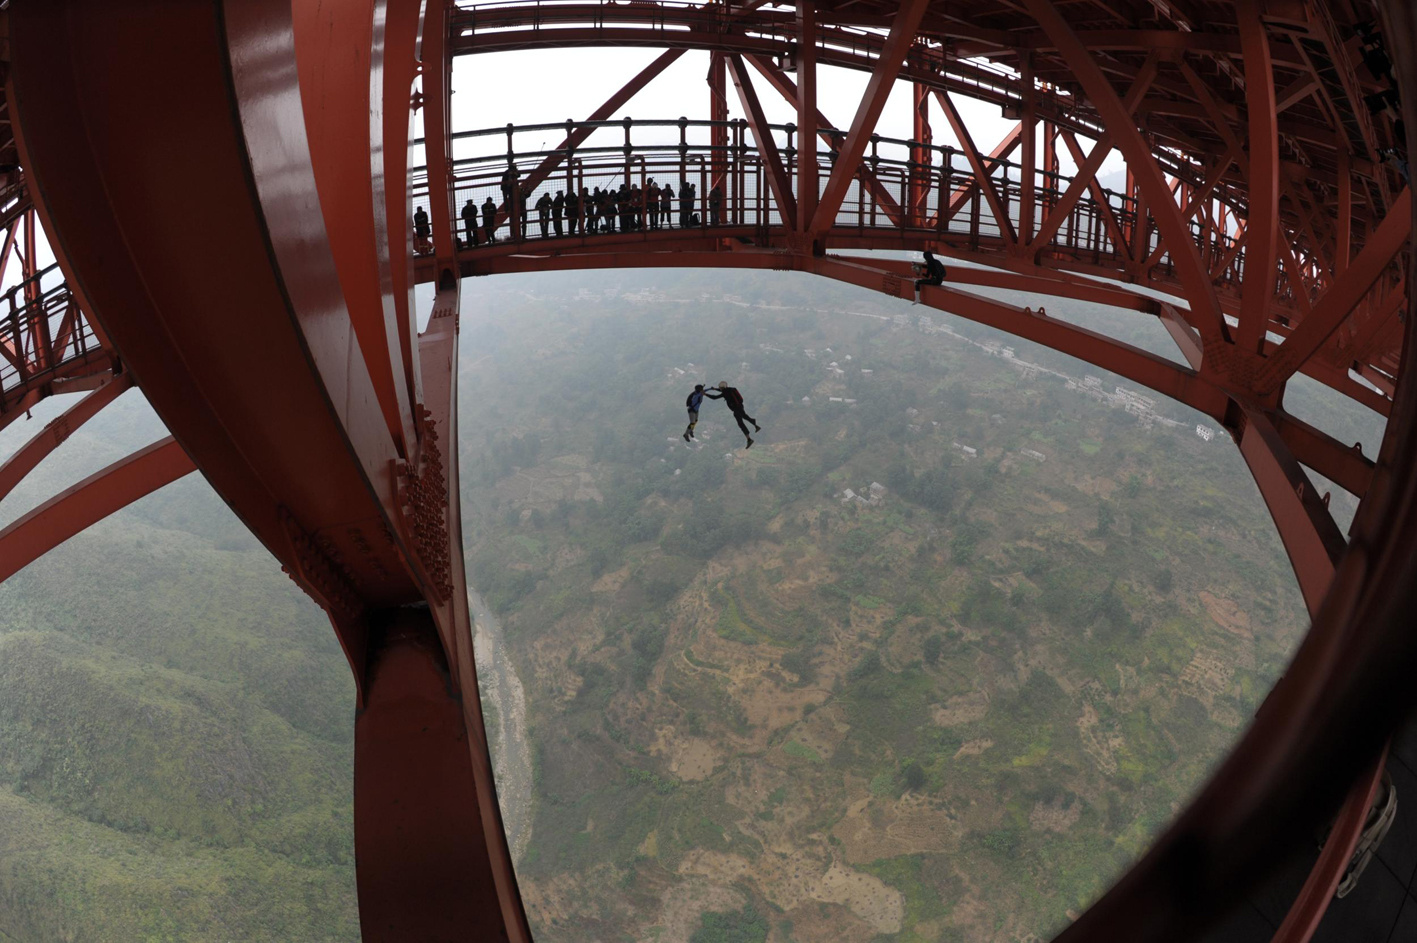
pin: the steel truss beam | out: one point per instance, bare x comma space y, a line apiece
778, 178
79, 507
901, 36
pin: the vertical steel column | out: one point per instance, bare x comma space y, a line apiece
423, 870
1257, 291
1028, 145
718, 114
1343, 241
918, 198
807, 173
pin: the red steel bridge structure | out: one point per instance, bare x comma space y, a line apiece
229, 188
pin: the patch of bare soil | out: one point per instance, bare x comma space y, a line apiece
1102, 487
690, 758
1227, 614
683, 906
1056, 816
1207, 676
611, 582
867, 896
962, 709
1046, 505
1099, 741
563, 478
973, 747
814, 920
874, 828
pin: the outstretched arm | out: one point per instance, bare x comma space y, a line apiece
708, 395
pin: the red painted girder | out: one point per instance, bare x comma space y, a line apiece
420, 837
577, 136
402, 22
901, 37
1028, 122
81, 506
1188, 341
439, 351
1086, 174
438, 130
24, 460
1364, 340
1257, 293
1204, 305
962, 195
1199, 199
1157, 373
808, 183
1345, 466
336, 45
789, 91
981, 173
1335, 305
1099, 199
775, 170
252, 363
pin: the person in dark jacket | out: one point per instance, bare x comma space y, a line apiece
573, 213
469, 222
666, 200
934, 273
543, 212
421, 231
652, 204
686, 204
695, 400
734, 401
558, 209
489, 220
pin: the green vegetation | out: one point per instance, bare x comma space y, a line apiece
175, 736
1001, 669
744, 926
758, 712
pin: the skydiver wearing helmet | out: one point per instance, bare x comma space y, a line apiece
734, 401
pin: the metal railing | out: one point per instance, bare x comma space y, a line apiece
41, 328
935, 192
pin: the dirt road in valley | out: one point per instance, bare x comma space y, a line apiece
511, 751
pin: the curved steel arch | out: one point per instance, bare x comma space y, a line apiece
299, 386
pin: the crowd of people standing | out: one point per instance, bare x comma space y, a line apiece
629, 207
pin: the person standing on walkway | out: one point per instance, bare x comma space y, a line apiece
715, 201
469, 222
511, 189
489, 219
543, 212
686, 204
652, 204
734, 401
573, 211
421, 231
558, 209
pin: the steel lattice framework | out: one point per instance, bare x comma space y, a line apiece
1264, 221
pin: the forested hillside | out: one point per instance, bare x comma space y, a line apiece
756, 708
932, 661
175, 725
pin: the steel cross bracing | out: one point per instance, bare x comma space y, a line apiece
1264, 222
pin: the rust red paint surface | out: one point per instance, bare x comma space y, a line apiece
292, 375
